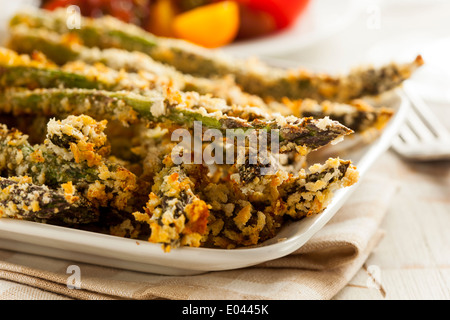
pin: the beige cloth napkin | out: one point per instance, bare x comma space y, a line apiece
318, 270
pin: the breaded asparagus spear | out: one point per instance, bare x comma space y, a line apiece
302, 84
241, 218
36, 71
67, 165
62, 49
255, 78
357, 115
301, 134
311, 192
21, 199
176, 216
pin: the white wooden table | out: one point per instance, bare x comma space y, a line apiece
413, 259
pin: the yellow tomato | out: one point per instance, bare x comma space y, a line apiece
210, 26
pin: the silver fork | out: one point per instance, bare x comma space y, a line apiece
422, 137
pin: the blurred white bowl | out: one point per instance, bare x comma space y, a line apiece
8, 9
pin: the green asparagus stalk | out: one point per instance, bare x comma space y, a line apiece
63, 102
303, 135
32, 77
255, 78
26, 40
21, 199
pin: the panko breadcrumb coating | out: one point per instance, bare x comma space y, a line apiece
177, 217
21, 199
102, 182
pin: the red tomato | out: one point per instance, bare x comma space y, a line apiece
54, 4
254, 23
284, 12
130, 11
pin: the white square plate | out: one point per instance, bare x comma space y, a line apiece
101, 249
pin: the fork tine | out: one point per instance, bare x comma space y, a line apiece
399, 144
422, 130
426, 114
407, 135
422, 137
